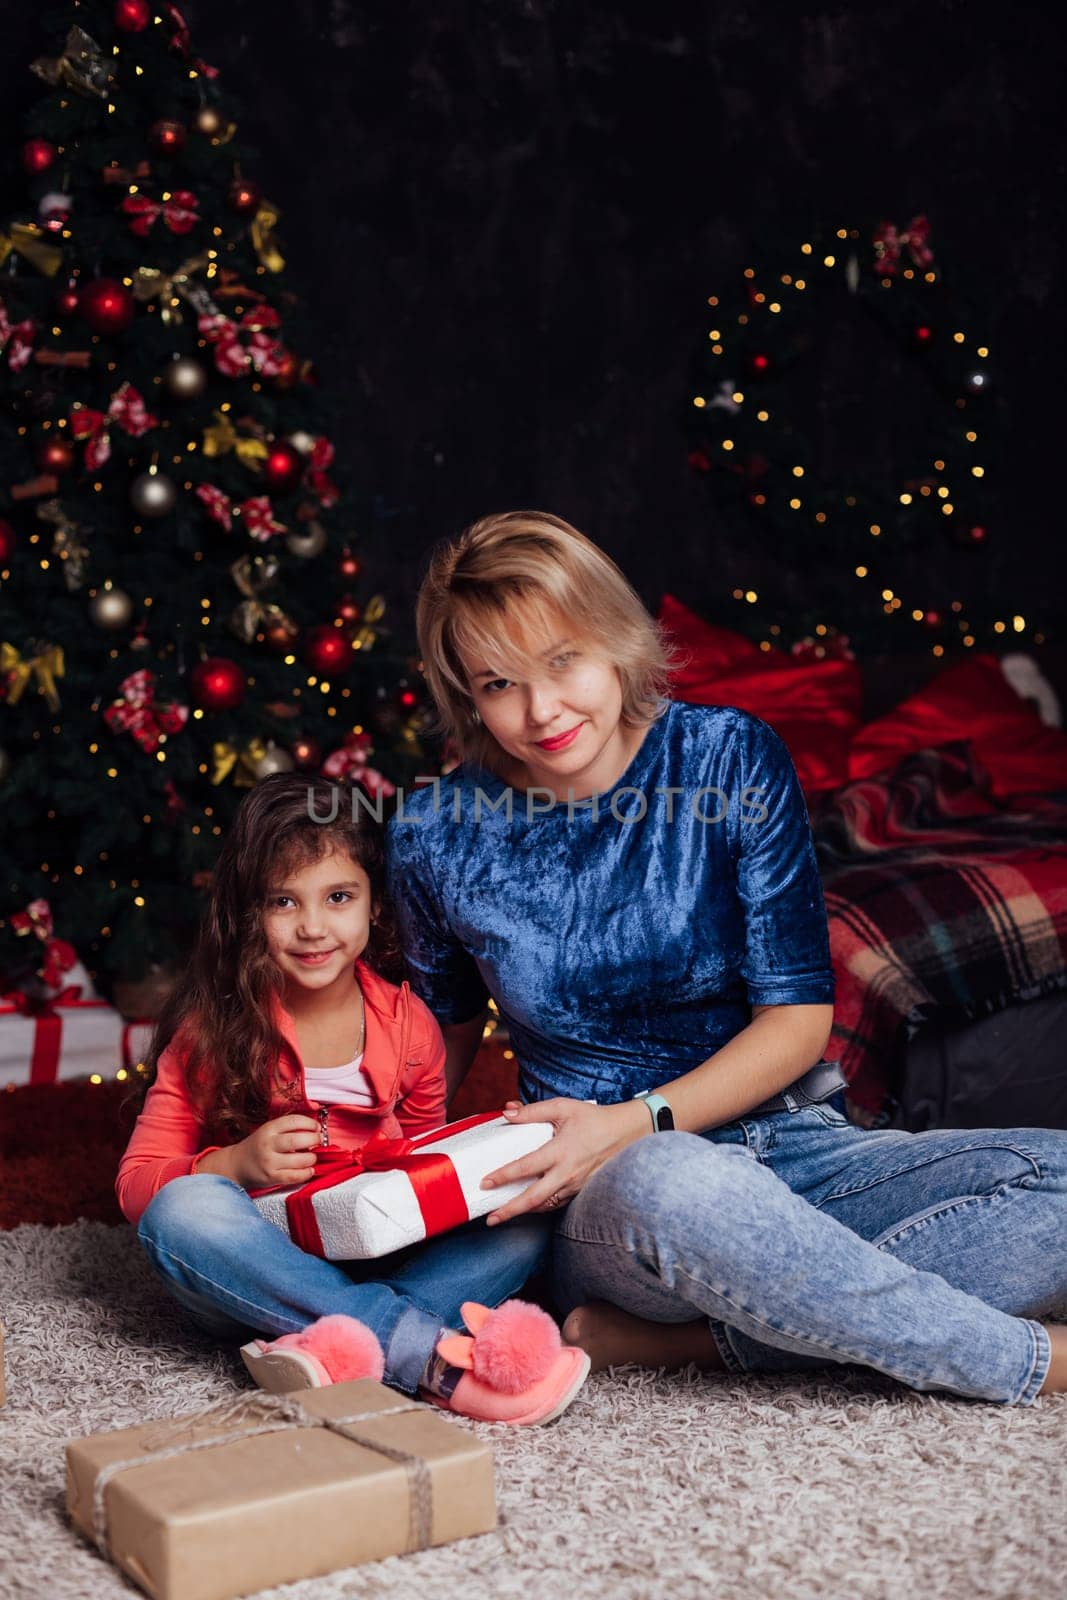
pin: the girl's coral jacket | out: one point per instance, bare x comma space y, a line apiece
404, 1060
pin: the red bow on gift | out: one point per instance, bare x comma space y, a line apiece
239, 345
432, 1174
19, 337
59, 956
258, 513
126, 408
137, 713
888, 244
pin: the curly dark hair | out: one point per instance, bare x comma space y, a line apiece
222, 1003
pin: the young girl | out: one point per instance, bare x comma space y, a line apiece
287, 1036
633, 880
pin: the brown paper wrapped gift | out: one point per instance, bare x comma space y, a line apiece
267, 1489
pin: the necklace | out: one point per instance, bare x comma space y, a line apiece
362, 1022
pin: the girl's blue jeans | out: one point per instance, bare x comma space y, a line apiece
806, 1241
237, 1275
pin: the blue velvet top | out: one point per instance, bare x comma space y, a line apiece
621, 949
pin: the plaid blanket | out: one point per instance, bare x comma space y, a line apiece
943, 903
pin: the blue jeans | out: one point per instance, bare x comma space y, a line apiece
237, 1275
806, 1241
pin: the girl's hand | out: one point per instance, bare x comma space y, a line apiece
586, 1136
281, 1151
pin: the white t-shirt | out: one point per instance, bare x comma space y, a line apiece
340, 1086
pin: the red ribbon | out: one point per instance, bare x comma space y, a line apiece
432, 1174
48, 1026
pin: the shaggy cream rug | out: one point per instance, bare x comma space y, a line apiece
649, 1486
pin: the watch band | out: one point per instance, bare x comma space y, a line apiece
659, 1110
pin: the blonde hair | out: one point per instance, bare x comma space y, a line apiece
526, 567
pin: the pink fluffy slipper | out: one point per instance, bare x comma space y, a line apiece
516, 1369
335, 1349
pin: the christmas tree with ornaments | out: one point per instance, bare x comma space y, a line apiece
184, 606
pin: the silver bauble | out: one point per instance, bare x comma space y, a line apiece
111, 609
153, 494
303, 441
307, 542
184, 378
273, 759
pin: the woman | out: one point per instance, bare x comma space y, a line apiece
634, 882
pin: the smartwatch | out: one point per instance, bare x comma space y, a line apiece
659, 1110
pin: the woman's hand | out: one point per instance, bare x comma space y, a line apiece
280, 1151
586, 1136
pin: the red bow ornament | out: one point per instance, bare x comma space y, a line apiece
58, 956
136, 712
317, 478
181, 43
247, 343
126, 408
258, 513
178, 211
17, 339
350, 761
888, 245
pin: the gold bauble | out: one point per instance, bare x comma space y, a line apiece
208, 121
111, 609
307, 542
273, 759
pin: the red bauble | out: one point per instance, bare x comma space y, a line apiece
283, 468
244, 197
106, 305
55, 456
977, 535
7, 542
759, 365
932, 619
67, 301
132, 16
349, 567
217, 684
327, 650
306, 753
922, 336
349, 610
167, 137
407, 699
38, 155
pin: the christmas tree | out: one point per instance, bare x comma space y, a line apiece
180, 566
844, 415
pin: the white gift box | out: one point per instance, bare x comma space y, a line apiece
373, 1213
69, 1036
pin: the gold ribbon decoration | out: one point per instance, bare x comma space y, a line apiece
366, 635
30, 242
45, 665
253, 574
222, 437
264, 239
82, 66
242, 763
66, 543
152, 283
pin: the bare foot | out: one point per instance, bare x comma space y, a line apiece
1056, 1377
611, 1338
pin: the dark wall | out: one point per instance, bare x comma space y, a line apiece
509, 214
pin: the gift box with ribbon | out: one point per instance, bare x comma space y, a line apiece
266, 1489
393, 1192
65, 1035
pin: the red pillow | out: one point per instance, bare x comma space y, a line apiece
814, 706
971, 700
